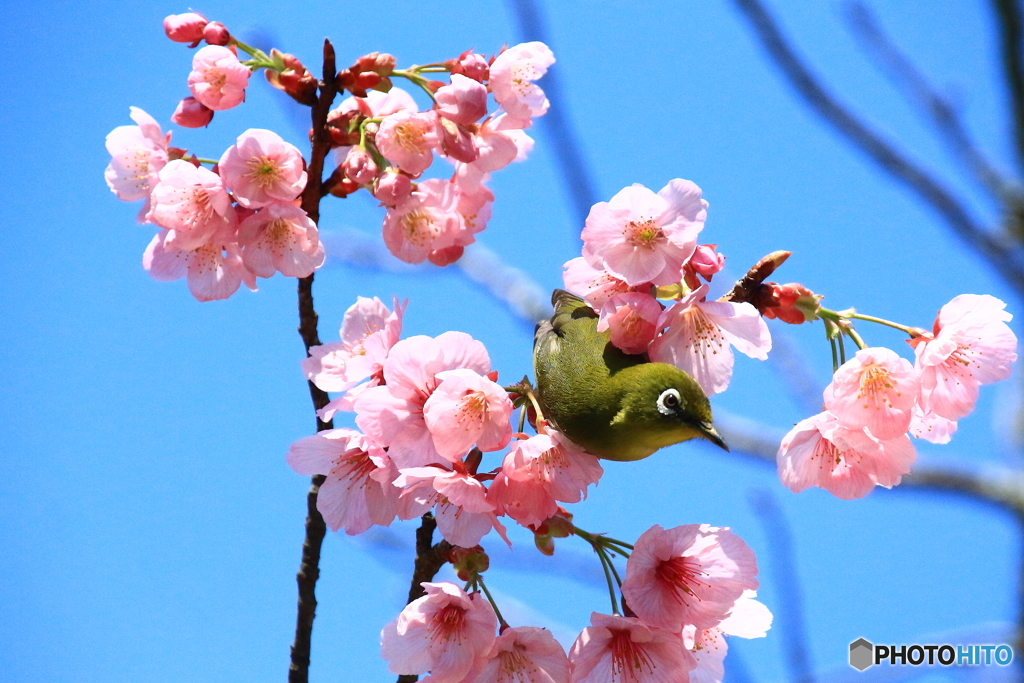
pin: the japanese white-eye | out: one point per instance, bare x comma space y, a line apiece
616, 406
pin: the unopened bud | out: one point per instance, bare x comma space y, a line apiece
192, 113
382, 64
359, 166
215, 33
185, 28
393, 188
472, 66
367, 80
706, 261
456, 142
294, 79
792, 303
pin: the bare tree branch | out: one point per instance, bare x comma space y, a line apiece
894, 162
919, 90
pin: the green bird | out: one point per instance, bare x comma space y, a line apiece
615, 405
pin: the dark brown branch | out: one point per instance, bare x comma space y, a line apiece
881, 152
913, 84
1010, 36
309, 569
430, 557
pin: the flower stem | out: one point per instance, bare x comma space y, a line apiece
490, 598
881, 321
413, 77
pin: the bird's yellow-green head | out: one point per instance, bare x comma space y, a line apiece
616, 406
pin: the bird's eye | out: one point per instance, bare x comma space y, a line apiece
668, 402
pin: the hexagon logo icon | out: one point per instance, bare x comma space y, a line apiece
862, 654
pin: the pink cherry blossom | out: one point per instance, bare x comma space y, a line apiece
357, 492
512, 75
849, 463
463, 101
473, 65
392, 415
627, 650
193, 203
930, 426
368, 331
595, 285
467, 409
539, 472
191, 113
444, 632
138, 153
261, 168
280, 237
407, 140
378, 104
971, 345
499, 142
218, 79
747, 619
214, 269
633, 319
874, 389
701, 334
185, 28
640, 236
689, 574
523, 654
463, 513
706, 261
427, 220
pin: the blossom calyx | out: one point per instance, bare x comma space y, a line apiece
468, 563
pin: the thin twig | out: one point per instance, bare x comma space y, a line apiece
881, 152
316, 529
913, 84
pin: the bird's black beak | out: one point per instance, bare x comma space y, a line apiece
708, 431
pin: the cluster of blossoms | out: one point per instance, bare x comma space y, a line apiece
877, 399
241, 219
686, 588
385, 144
428, 409
220, 227
640, 247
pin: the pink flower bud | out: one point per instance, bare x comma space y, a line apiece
192, 114
472, 66
706, 261
392, 188
359, 166
447, 256
456, 142
185, 28
792, 303
215, 33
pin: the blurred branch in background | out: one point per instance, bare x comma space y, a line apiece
789, 609
577, 177
999, 249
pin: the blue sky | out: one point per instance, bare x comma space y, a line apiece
149, 527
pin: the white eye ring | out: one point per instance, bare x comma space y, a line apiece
669, 402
